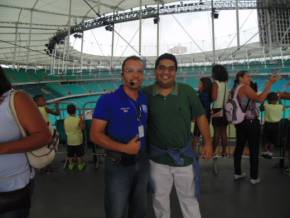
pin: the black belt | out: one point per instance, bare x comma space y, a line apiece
119, 158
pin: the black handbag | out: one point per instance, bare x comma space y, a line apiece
14, 200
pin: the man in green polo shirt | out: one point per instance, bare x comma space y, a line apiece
172, 108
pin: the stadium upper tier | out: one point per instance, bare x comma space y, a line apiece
22, 76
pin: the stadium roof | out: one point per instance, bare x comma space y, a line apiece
27, 25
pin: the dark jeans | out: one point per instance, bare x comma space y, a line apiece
248, 132
288, 142
126, 189
16, 203
20, 213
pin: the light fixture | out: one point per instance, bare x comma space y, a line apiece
156, 20
109, 27
214, 14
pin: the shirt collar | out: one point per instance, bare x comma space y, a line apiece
122, 92
174, 92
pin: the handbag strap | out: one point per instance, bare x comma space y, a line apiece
236, 92
224, 101
13, 111
14, 114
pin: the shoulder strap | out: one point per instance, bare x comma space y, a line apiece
236, 97
13, 111
248, 103
224, 101
237, 91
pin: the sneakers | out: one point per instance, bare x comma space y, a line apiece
215, 157
255, 181
239, 176
81, 166
287, 171
267, 155
71, 166
243, 175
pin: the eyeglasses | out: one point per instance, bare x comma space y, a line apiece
163, 68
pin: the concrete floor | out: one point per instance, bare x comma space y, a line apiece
62, 194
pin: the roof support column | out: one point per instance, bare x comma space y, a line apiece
68, 37
29, 39
140, 28
269, 31
158, 30
282, 59
52, 71
232, 58
213, 33
82, 49
112, 45
238, 24
247, 56
15, 41
63, 55
265, 61
15, 45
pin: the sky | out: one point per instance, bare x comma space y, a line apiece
185, 30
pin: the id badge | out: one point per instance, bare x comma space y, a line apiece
141, 131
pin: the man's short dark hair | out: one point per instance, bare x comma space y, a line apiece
220, 73
5, 85
71, 109
272, 97
37, 97
133, 57
166, 56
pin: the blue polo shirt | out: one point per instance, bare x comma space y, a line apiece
123, 114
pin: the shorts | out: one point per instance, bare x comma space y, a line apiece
75, 150
271, 133
218, 121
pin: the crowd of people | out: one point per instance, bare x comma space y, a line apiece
146, 132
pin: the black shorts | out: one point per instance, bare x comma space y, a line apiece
75, 150
218, 121
271, 133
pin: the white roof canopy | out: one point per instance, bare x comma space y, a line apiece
27, 25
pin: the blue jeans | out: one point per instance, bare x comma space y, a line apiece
126, 189
20, 213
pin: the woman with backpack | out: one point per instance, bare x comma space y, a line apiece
248, 131
15, 172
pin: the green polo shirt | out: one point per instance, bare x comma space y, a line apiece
170, 117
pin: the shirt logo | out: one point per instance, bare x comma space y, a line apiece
144, 108
125, 109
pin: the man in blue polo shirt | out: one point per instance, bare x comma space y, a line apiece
119, 125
